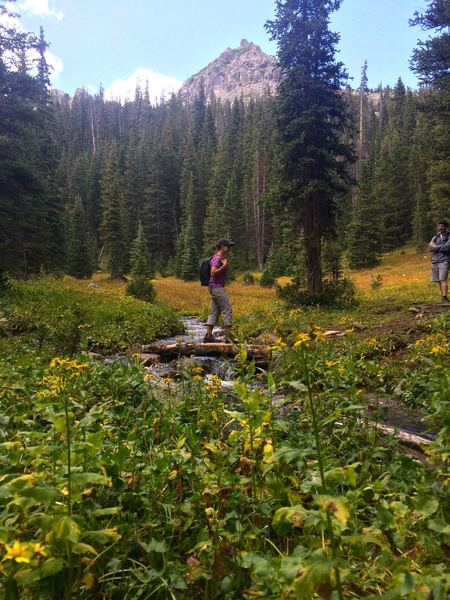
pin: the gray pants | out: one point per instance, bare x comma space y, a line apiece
219, 304
439, 271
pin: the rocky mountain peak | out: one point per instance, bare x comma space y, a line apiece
246, 71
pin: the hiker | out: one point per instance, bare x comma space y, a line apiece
440, 258
219, 298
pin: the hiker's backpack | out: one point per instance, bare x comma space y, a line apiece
204, 270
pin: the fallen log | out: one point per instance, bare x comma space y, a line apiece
404, 437
200, 349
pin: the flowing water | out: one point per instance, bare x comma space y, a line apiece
387, 411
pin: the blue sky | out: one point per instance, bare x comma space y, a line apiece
108, 40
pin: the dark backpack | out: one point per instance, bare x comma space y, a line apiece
204, 270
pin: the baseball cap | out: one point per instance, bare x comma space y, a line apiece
224, 242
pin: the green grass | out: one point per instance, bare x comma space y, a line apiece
65, 318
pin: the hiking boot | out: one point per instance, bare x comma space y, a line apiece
209, 339
445, 300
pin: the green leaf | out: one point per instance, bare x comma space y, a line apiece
156, 546
102, 536
336, 506
67, 529
439, 526
42, 494
49, 567
82, 479
426, 506
106, 512
81, 548
298, 385
295, 515
384, 516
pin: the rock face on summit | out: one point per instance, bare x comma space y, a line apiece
246, 71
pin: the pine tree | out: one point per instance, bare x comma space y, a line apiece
140, 285
364, 245
188, 254
113, 222
431, 63
311, 119
79, 252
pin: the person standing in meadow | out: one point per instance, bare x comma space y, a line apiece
440, 258
219, 298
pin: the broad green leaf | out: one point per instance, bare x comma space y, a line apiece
81, 548
294, 515
426, 506
42, 494
82, 479
298, 385
439, 526
102, 536
49, 567
67, 529
106, 512
336, 506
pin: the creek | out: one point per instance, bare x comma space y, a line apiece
385, 413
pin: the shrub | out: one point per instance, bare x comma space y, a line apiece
340, 294
267, 278
248, 279
142, 289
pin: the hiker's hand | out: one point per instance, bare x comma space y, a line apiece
224, 263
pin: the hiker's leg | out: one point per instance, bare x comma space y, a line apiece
443, 279
214, 312
227, 312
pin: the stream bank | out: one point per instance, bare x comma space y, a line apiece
384, 413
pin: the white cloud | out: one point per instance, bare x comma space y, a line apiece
160, 86
53, 61
56, 64
40, 8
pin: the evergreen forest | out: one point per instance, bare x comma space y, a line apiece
79, 174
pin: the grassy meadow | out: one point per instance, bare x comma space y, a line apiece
405, 275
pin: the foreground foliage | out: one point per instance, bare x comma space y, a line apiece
115, 485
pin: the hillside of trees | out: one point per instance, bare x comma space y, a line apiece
79, 174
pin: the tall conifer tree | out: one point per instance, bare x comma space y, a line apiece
79, 252
113, 223
311, 119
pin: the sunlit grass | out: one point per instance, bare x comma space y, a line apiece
404, 274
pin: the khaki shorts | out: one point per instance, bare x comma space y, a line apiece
439, 271
219, 304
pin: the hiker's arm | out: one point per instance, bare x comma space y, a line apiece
216, 270
433, 246
445, 247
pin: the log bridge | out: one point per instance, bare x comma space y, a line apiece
171, 351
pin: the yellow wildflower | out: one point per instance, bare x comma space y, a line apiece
39, 549
18, 552
437, 349
318, 334
149, 377
302, 339
332, 363
268, 451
